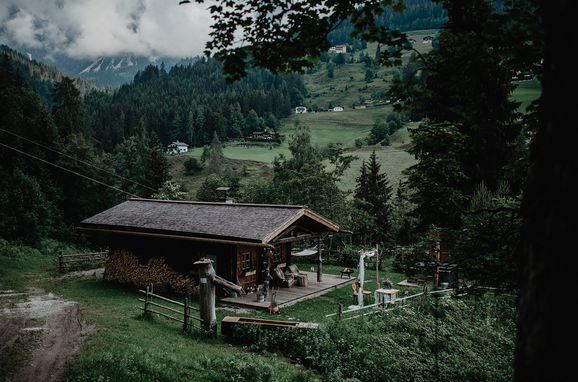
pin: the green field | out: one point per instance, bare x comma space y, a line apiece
526, 92
348, 85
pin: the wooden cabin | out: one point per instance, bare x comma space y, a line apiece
245, 241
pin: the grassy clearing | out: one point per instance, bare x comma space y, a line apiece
394, 159
129, 348
20, 264
348, 84
526, 92
252, 171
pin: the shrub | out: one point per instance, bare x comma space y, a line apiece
192, 166
463, 339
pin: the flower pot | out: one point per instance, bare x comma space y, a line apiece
273, 309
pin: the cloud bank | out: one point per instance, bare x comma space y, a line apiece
93, 28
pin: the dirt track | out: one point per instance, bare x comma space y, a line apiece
57, 327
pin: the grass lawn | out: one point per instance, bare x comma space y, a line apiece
124, 346
129, 348
526, 92
348, 84
393, 159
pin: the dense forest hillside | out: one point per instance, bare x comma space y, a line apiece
39, 76
418, 14
190, 103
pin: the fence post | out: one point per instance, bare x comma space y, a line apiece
186, 315
340, 311
60, 262
146, 302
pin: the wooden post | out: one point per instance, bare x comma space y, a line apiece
207, 295
146, 302
319, 261
60, 262
186, 315
340, 312
437, 250
207, 281
377, 266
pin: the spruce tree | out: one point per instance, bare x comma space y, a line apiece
373, 196
215, 156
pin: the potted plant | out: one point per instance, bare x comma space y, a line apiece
273, 308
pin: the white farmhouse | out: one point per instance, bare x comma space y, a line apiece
337, 108
300, 110
339, 49
177, 148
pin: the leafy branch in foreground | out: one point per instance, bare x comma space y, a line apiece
288, 36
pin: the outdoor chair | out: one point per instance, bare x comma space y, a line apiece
346, 271
281, 279
366, 294
300, 278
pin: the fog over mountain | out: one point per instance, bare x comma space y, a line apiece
89, 29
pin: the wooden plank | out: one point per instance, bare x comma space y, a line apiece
164, 315
162, 306
163, 298
85, 254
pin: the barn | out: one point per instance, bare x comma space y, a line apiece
246, 242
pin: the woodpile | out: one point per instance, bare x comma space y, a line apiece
124, 267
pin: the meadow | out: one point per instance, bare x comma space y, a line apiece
122, 345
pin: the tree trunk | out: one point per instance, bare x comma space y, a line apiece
549, 245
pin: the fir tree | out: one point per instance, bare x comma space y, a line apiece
215, 156
373, 196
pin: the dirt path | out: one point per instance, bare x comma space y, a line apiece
39, 333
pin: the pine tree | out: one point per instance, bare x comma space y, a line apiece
215, 156
158, 173
68, 110
373, 196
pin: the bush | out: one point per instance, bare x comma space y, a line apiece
407, 344
192, 166
349, 256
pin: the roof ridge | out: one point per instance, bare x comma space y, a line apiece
219, 203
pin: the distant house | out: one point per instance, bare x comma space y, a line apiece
360, 106
427, 39
177, 148
264, 136
339, 49
300, 110
337, 108
412, 40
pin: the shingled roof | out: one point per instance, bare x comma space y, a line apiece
251, 223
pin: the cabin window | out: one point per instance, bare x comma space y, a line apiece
247, 261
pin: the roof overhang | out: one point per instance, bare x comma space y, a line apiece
168, 235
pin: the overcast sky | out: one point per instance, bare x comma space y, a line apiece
92, 28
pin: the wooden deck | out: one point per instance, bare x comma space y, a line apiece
293, 295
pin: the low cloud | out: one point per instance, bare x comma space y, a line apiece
92, 28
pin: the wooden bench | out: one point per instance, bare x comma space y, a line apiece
346, 271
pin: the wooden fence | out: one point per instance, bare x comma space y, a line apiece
385, 306
65, 262
179, 312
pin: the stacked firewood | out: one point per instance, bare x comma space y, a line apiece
124, 267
